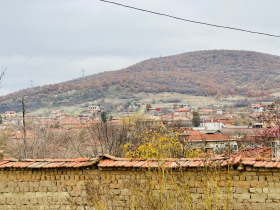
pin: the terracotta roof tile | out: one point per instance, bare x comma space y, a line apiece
195, 164
130, 164
111, 161
260, 164
4, 162
53, 164
271, 164
103, 163
121, 163
249, 162
79, 164
139, 164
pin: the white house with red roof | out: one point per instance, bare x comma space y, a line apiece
214, 142
10, 114
55, 114
182, 113
257, 107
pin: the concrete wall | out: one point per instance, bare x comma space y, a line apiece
252, 188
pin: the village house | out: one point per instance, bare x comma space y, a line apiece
84, 117
69, 122
210, 143
55, 114
219, 112
210, 126
257, 107
205, 112
10, 114
93, 109
182, 113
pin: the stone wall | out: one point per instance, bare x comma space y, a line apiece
42, 188
74, 188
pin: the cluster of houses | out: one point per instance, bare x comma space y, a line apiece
217, 132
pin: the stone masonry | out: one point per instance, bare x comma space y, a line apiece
114, 182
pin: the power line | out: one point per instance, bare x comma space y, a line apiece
192, 21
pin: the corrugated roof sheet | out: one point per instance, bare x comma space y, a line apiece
108, 161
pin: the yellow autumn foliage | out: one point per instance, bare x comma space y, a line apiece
160, 143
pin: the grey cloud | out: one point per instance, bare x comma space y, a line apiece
50, 41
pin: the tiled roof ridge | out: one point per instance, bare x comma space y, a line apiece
109, 161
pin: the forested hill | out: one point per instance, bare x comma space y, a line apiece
207, 73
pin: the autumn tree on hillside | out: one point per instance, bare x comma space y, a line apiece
148, 107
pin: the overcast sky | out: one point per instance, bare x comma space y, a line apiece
52, 41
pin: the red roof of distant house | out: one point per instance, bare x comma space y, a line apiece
20, 135
229, 115
69, 121
256, 114
10, 112
261, 152
47, 122
55, 112
194, 135
182, 110
206, 110
168, 116
86, 124
256, 105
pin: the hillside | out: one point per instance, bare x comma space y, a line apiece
203, 73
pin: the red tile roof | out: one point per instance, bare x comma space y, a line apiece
206, 110
256, 105
108, 161
262, 152
193, 135
19, 134
10, 112
48, 163
69, 121
182, 110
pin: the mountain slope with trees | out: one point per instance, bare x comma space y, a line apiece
205, 73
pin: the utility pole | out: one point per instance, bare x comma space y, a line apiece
24, 130
83, 74
161, 69
31, 83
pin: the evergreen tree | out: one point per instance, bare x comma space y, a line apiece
196, 119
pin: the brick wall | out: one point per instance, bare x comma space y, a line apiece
74, 188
